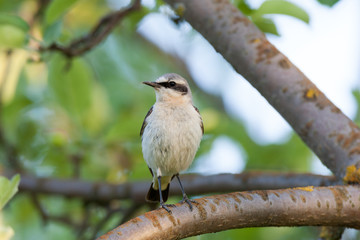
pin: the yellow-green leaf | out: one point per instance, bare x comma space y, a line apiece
8, 188
56, 9
13, 31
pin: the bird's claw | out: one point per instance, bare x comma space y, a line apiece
188, 201
166, 207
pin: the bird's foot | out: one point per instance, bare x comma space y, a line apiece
188, 201
166, 206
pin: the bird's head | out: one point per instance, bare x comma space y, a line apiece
171, 88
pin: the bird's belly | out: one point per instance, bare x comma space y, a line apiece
171, 148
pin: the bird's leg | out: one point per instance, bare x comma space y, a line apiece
162, 203
185, 197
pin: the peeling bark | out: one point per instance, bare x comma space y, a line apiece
322, 206
333, 137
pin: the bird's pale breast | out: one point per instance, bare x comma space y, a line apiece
171, 138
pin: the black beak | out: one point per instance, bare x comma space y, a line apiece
152, 84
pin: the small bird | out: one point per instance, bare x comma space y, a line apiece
171, 134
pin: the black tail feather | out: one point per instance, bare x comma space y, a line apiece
153, 195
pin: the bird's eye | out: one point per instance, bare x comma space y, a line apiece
172, 83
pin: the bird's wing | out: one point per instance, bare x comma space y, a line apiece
145, 122
201, 123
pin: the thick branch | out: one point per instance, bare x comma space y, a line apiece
323, 206
98, 34
324, 128
193, 184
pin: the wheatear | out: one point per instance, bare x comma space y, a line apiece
171, 134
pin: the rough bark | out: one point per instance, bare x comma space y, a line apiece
193, 184
323, 206
333, 137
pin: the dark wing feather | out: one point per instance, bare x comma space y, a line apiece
145, 122
153, 195
151, 171
201, 124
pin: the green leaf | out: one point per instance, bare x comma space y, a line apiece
244, 7
329, 3
356, 94
26, 132
13, 31
266, 25
12, 37
71, 83
52, 32
8, 189
281, 7
14, 21
56, 9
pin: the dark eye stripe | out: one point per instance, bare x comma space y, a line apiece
181, 88
178, 87
165, 84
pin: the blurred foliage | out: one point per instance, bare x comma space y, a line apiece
13, 31
8, 190
329, 3
260, 16
81, 117
270, 233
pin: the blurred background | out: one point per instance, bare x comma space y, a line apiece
80, 118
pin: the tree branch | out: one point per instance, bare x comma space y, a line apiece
194, 185
333, 137
323, 206
98, 34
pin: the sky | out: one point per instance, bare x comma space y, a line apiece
327, 50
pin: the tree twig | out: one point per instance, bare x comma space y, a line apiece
333, 137
98, 34
46, 217
322, 206
85, 220
76, 160
194, 185
36, 201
